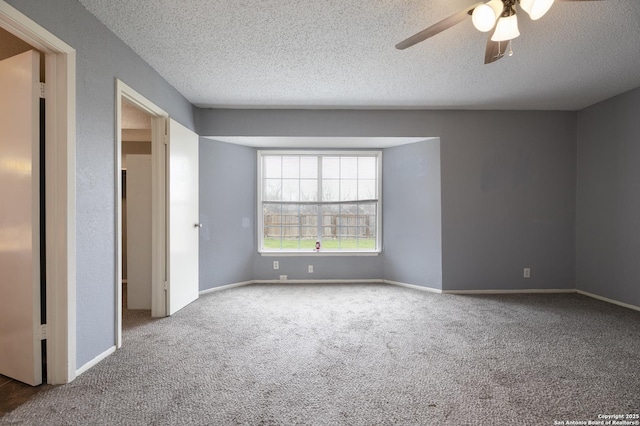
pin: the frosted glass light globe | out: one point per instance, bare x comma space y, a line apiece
507, 29
484, 16
536, 8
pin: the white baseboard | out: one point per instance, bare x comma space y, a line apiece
543, 291
95, 361
523, 291
396, 283
414, 286
371, 281
606, 299
225, 287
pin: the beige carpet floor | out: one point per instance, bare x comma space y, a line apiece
359, 355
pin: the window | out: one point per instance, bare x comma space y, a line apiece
328, 199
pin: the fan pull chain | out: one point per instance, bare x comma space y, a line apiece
510, 49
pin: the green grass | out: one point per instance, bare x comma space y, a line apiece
327, 244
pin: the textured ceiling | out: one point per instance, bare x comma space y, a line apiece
341, 54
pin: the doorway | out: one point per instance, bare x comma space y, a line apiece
58, 68
22, 225
138, 119
136, 208
174, 209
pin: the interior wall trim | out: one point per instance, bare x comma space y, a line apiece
60, 159
428, 289
224, 287
352, 281
514, 291
356, 281
158, 116
414, 286
95, 361
606, 299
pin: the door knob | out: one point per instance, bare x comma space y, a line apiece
198, 225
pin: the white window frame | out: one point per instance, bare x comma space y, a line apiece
322, 252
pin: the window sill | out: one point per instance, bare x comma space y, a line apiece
317, 253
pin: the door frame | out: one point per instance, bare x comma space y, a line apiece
60, 208
159, 226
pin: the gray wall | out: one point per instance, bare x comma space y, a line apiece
227, 213
608, 200
412, 242
412, 214
324, 267
101, 58
508, 201
228, 251
508, 185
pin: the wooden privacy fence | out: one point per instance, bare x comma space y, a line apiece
306, 225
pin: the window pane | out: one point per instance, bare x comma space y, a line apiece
367, 190
309, 167
309, 190
290, 227
290, 214
330, 167
345, 225
367, 226
309, 216
367, 243
330, 190
329, 218
348, 168
290, 167
273, 211
290, 190
367, 168
309, 226
309, 209
272, 226
309, 232
331, 209
309, 242
347, 210
272, 243
348, 190
272, 190
272, 166
329, 232
368, 209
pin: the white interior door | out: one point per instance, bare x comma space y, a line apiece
138, 231
20, 348
183, 217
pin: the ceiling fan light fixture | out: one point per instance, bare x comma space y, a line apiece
536, 8
484, 16
507, 29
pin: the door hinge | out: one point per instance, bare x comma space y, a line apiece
166, 285
42, 91
43, 331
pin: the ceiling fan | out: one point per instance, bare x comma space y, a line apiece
498, 17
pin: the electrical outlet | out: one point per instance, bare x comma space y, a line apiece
527, 272
276, 264
311, 269
283, 277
